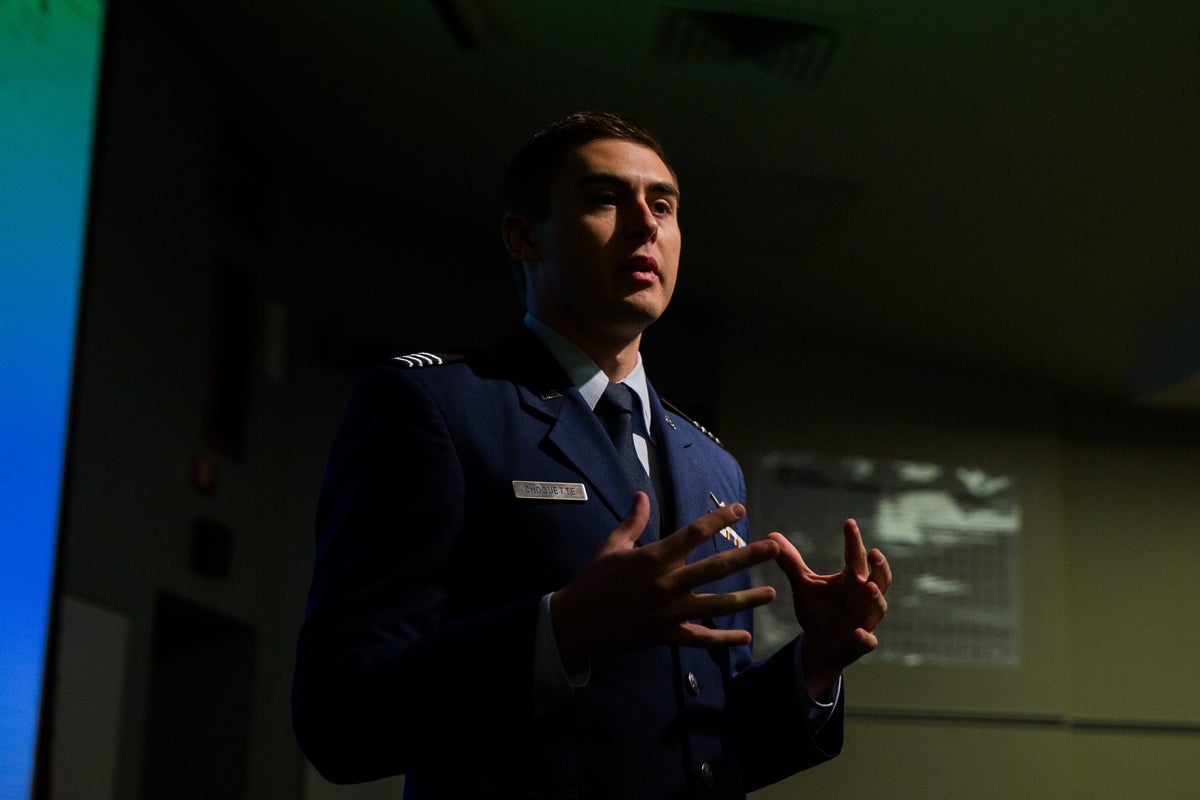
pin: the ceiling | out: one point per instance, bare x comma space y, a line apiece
1014, 183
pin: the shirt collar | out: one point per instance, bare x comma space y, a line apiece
583, 373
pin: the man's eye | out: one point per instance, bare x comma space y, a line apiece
662, 207
606, 199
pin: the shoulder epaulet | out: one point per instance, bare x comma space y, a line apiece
674, 409
425, 359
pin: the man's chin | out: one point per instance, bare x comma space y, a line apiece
640, 315
646, 305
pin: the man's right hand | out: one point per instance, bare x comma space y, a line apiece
627, 597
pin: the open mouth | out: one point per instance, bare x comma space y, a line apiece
642, 267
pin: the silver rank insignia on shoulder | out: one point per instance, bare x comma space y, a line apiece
674, 409
425, 359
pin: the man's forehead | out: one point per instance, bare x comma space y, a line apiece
617, 160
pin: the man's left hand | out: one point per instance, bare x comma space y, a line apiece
838, 612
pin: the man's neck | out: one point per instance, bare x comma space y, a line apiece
617, 362
616, 355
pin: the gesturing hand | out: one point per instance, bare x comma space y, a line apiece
838, 612
628, 596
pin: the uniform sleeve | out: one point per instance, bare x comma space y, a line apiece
382, 680
771, 722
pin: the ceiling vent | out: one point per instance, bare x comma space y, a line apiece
806, 54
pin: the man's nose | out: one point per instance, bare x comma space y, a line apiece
643, 223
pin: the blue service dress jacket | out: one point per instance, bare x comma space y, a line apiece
417, 652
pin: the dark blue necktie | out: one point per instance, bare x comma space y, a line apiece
616, 410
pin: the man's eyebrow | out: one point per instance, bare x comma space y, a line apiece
607, 178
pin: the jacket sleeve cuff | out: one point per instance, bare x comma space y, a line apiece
553, 685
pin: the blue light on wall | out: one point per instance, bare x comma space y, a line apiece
49, 70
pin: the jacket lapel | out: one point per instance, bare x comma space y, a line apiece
573, 433
576, 435
681, 468
688, 475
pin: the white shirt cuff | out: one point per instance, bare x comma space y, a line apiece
818, 710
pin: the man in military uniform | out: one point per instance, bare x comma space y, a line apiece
531, 576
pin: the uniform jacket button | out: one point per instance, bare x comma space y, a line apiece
693, 684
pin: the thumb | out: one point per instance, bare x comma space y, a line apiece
631, 527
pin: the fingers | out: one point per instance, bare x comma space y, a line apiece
695, 635
865, 640
711, 606
631, 527
872, 567
881, 571
628, 596
708, 606
714, 568
688, 538
855, 551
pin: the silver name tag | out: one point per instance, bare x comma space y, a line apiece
543, 490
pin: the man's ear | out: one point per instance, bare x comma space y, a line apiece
519, 237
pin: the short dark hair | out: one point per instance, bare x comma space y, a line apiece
531, 171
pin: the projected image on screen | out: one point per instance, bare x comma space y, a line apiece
950, 533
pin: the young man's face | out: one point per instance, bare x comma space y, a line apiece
609, 246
